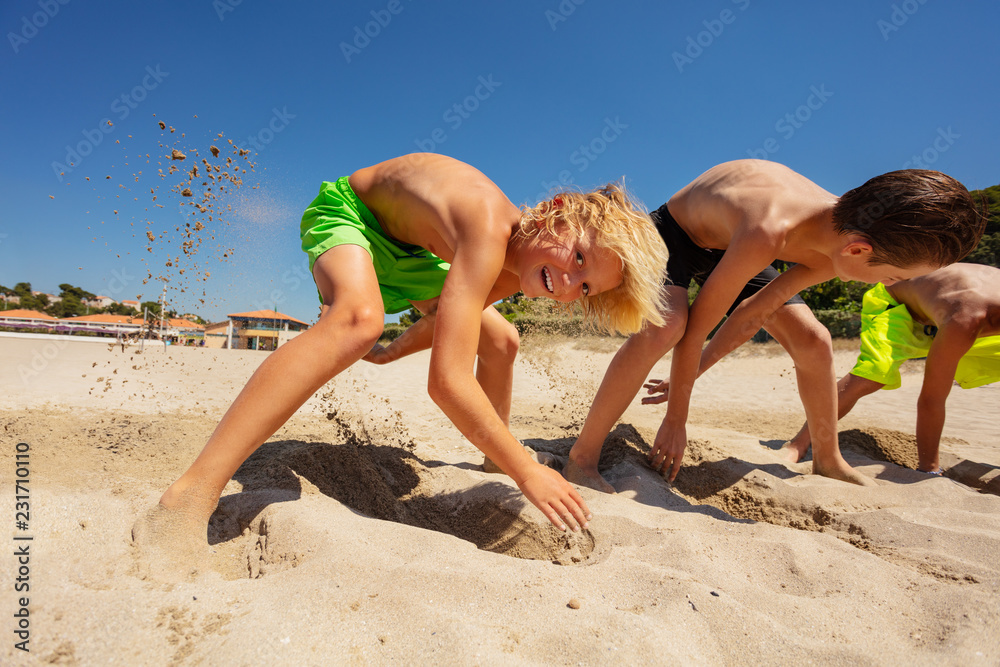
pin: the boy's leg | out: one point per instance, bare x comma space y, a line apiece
350, 324
498, 346
850, 389
622, 381
808, 342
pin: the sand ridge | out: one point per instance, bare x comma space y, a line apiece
365, 530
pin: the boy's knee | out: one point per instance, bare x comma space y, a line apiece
362, 321
660, 340
500, 343
813, 341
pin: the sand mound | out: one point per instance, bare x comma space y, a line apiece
391, 484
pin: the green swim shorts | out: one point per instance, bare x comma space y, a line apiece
890, 336
405, 272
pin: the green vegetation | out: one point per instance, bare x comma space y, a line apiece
73, 302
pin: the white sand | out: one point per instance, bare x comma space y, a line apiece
381, 540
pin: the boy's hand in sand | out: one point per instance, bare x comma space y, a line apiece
555, 497
668, 450
660, 387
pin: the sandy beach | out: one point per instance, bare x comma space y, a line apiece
366, 532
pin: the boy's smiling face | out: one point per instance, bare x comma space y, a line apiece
564, 267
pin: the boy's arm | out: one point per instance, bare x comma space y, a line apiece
477, 263
950, 344
751, 315
746, 320
417, 337
747, 254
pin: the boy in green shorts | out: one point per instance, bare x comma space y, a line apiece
952, 317
434, 232
723, 230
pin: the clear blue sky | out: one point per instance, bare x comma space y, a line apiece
546, 90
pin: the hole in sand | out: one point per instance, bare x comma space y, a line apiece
385, 483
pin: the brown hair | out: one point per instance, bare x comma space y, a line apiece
624, 228
912, 216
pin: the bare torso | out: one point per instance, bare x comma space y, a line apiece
964, 294
761, 198
423, 199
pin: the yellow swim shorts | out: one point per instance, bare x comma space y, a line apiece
890, 336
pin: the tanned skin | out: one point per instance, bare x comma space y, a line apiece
963, 302
758, 212
456, 212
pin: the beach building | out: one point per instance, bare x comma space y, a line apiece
103, 324
9, 299
26, 320
254, 330
184, 332
134, 305
52, 298
100, 302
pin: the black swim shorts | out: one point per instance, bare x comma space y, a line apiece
689, 261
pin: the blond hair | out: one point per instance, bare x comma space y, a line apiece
625, 229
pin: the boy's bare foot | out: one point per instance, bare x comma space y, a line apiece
174, 540
791, 452
843, 472
587, 477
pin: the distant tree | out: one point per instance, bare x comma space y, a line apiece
70, 290
154, 309
69, 306
119, 309
29, 301
988, 250
409, 317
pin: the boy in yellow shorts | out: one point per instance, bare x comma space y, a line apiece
436, 233
950, 316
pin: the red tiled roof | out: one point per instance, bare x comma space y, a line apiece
104, 318
181, 323
26, 314
267, 315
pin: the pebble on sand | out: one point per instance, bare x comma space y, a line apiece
573, 603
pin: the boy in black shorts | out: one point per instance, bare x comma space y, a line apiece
723, 230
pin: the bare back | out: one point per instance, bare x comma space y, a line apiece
759, 199
966, 295
431, 200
